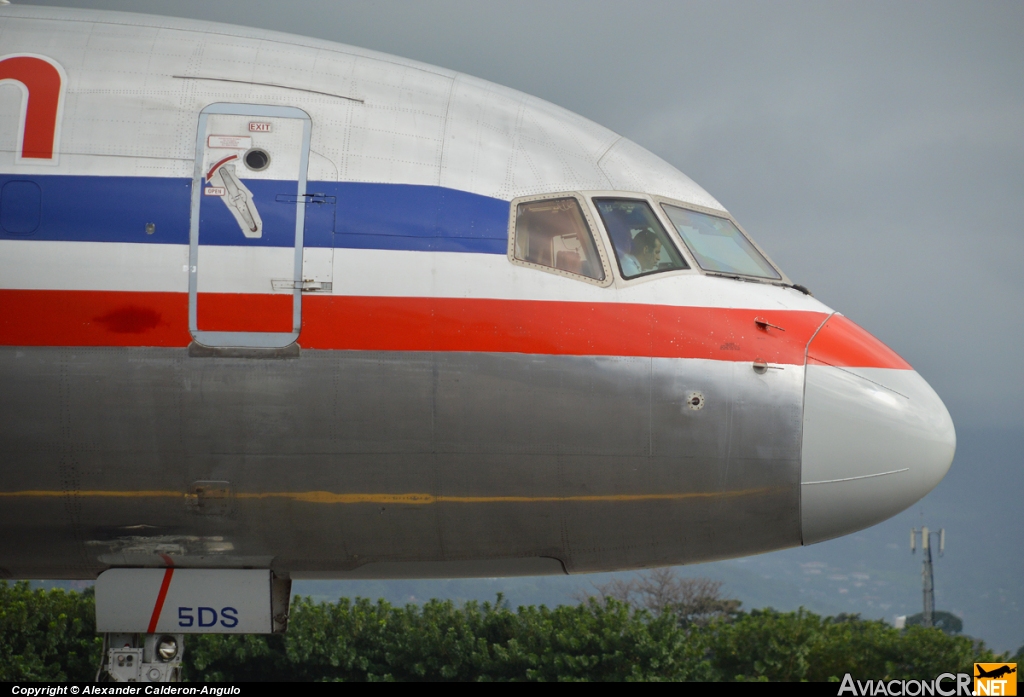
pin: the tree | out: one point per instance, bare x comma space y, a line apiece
789, 646
47, 634
694, 601
946, 621
50, 635
364, 641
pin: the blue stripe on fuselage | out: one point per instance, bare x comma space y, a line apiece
355, 215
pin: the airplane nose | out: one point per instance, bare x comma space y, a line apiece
876, 436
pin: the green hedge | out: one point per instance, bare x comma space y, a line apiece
49, 635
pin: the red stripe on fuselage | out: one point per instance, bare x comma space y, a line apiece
106, 318
93, 318
555, 328
235, 312
844, 344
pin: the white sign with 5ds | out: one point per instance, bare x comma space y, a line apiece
184, 601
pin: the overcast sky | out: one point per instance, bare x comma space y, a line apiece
876, 150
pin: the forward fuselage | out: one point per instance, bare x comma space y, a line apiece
336, 362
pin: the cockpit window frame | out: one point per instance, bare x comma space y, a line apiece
595, 199
594, 229
681, 249
662, 201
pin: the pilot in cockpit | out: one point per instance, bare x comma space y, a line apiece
646, 253
640, 241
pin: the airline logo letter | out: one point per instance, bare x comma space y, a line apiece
42, 81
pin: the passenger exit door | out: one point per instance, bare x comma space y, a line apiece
246, 238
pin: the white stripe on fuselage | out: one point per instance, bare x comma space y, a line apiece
117, 266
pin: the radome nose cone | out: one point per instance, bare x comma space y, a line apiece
875, 441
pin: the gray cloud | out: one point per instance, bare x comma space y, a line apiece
874, 149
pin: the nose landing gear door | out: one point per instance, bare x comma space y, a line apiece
246, 237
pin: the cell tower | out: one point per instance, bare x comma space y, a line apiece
927, 575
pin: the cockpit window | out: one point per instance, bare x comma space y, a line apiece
554, 233
641, 244
718, 245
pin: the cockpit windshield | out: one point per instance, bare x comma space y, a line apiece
718, 245
553, 233
642, 245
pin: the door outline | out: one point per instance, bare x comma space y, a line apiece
246, 339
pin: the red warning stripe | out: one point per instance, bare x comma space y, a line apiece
161, 596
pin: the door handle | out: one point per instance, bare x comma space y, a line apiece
305, 198
305, 286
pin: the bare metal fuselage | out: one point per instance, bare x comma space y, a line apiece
321, 464
269, 302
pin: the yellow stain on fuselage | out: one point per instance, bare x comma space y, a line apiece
329, 497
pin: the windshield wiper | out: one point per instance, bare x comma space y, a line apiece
754, 279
